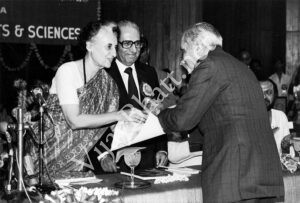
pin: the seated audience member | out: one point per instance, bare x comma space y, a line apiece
83, 102
256, 67
281, 79
278, 119
294, 97
245, 57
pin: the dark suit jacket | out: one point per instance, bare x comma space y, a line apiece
145, 74
224, 100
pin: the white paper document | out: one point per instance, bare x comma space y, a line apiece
77, 181
181, 170
179, 154
128, 133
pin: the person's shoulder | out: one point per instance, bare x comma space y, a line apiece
68, 69
210, 63
218, 53
113, 68
278, 113
273, 76
145, 68
286, 76
67, 66
142, 65
218, 56
114, 63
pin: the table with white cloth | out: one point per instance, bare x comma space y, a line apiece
189, 191
179, 192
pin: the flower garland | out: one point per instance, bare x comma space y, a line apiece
67, 50
33, 48
98, 10
23, 64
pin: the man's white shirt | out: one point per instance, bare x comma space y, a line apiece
124, 75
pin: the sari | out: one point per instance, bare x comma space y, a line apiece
65, 150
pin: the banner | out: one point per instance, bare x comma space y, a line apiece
45, 21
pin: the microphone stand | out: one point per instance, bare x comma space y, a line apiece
20, 149
19, 193
41, 147
42, 186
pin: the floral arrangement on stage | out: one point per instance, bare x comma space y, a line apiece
83, 194
290, 163
290, 157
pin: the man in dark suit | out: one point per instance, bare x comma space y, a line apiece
133, 78
224, 100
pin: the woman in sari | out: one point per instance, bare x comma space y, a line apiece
82, 104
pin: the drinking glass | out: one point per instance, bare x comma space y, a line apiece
132, 160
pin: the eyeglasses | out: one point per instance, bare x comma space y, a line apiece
127, 44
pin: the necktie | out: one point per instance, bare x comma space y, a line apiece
132, 89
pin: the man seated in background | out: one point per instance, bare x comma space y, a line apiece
278, 119
280, 78
245, 57
256, 67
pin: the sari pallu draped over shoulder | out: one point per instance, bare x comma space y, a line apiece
65, 149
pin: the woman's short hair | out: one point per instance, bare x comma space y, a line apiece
91, 30
204, 33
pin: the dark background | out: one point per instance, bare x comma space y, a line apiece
256, 25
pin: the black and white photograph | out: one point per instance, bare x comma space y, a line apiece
143, 101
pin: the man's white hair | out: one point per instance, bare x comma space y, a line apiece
203, 33
127, 23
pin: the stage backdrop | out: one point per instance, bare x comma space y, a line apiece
45, 21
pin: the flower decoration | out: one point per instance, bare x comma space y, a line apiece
83, 194
289, 163
296, 91
20, 84
151, 105
147, 90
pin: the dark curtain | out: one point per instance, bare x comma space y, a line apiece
161, 21
255, 25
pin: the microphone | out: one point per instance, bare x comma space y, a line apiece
38, 95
